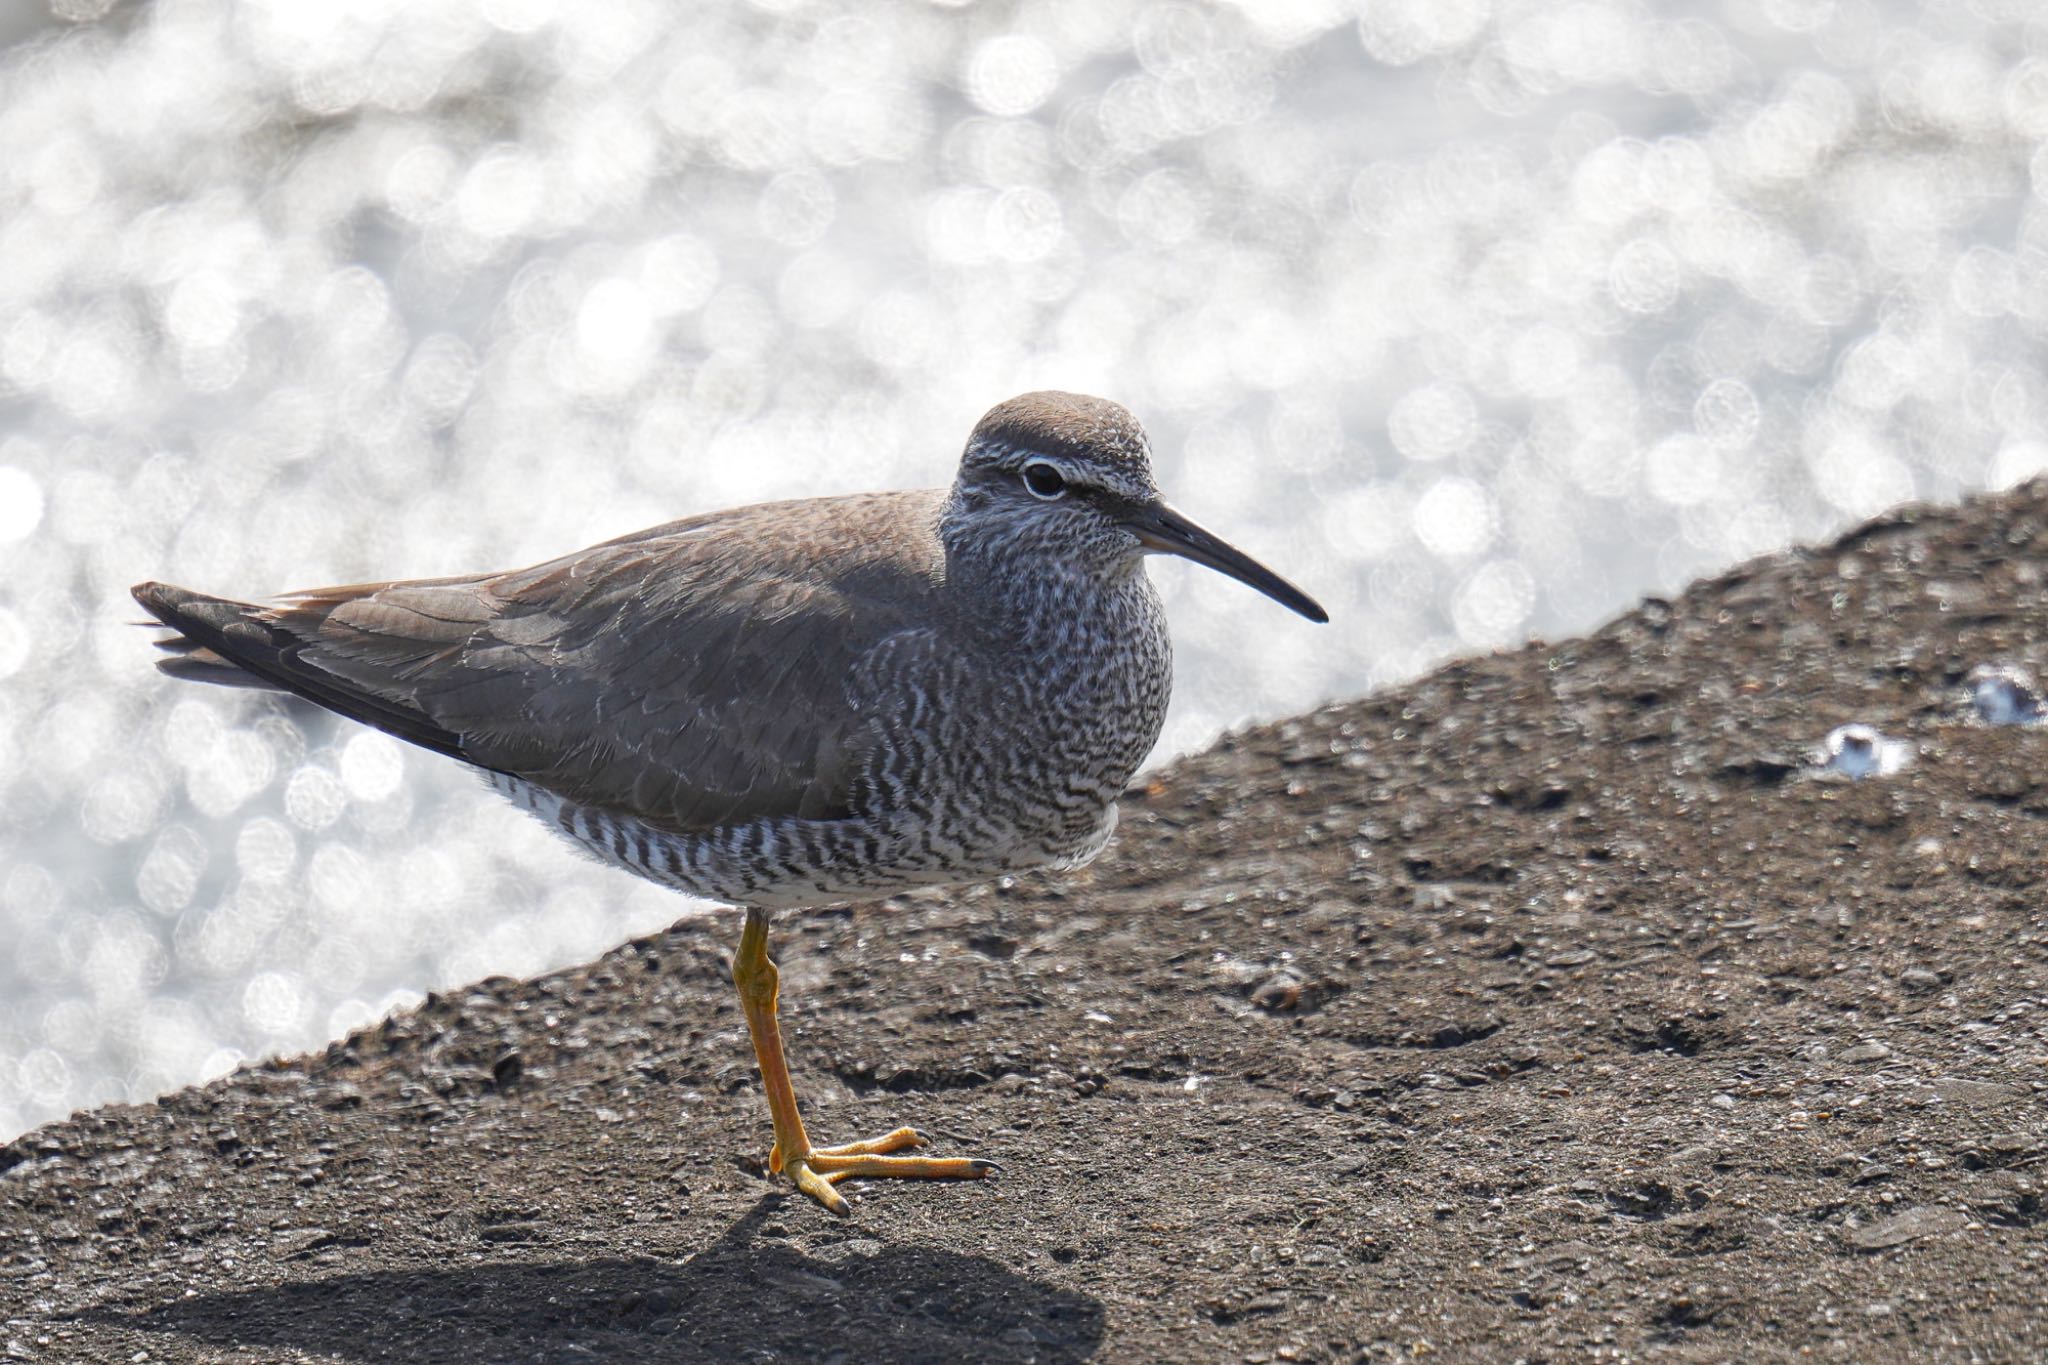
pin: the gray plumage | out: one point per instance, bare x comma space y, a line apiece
789, 703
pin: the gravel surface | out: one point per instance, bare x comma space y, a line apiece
1551, 1007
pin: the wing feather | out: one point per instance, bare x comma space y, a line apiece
693, 674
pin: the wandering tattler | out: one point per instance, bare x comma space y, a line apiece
794, 703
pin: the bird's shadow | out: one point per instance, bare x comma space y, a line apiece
743, 1297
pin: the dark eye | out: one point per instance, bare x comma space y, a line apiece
1044, 481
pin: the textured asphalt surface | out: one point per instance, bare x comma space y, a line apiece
1547, 1008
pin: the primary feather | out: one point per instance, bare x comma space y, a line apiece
671, 673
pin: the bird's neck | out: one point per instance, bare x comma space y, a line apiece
1038, 585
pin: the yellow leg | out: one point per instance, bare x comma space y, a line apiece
815, 1170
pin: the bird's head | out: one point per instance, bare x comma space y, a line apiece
1071, 475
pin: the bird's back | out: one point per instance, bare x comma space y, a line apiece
691, 675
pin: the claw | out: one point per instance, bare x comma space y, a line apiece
819, 1188
816, 1170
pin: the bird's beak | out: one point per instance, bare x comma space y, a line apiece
1164, 531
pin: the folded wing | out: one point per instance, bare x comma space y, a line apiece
694, 675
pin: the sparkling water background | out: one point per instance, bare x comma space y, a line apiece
1476, 317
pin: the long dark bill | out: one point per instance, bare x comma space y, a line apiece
1164, 531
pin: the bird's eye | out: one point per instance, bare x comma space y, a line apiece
1044, 480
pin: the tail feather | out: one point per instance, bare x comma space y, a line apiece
240, 644
196, 663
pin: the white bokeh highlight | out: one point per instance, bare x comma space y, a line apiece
1477, 317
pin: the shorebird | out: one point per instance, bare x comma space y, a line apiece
790, 704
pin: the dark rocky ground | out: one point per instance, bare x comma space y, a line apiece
1543, 1009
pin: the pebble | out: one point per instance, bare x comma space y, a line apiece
1925, 1220
2004, 694
1958, 1090
1278, 993
522, 1231
1434, 896
1857, 751
1870, 1052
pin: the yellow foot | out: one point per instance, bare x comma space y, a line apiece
824, 1167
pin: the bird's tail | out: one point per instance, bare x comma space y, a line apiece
194, 616
241, 644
